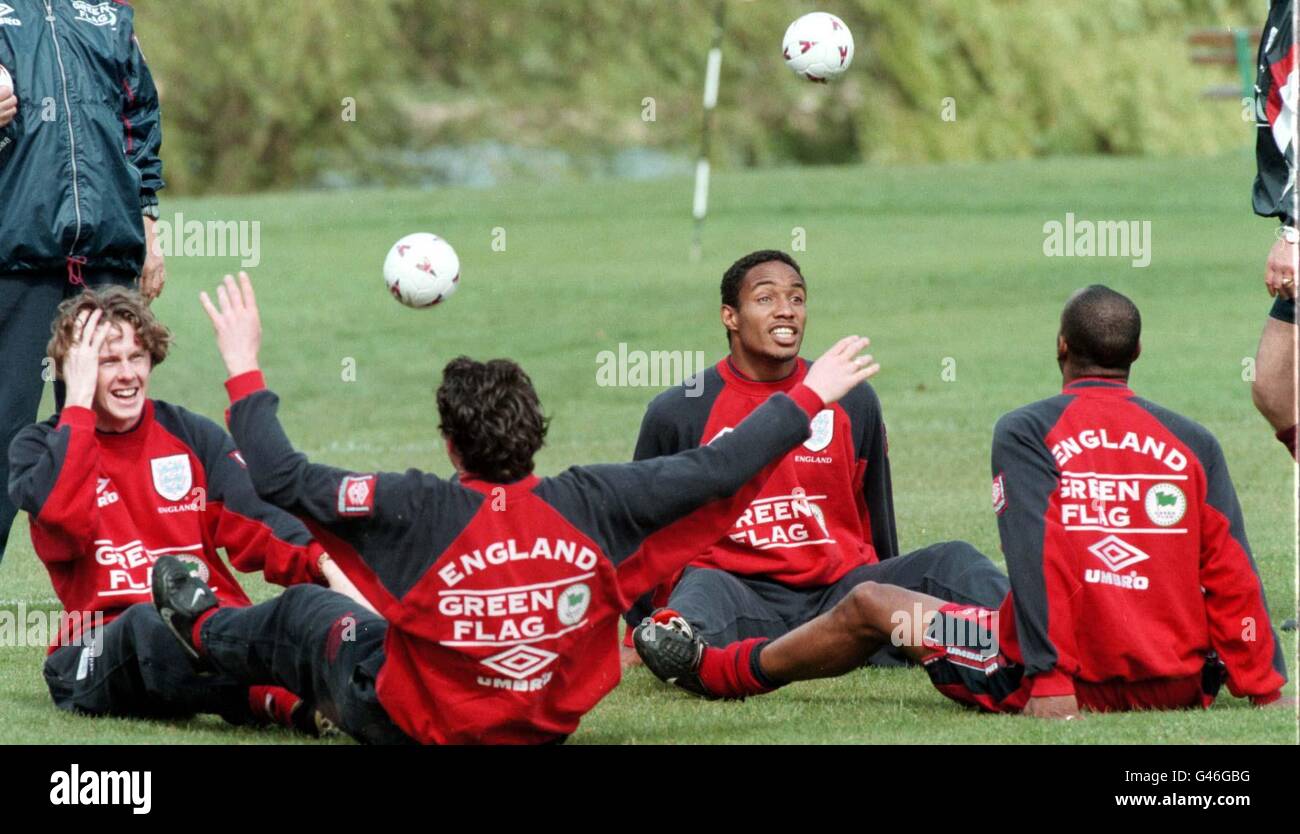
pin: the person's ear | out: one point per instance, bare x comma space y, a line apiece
730, 318
1137, 352
1062, 349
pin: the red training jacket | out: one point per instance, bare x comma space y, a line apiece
829, 506
502, 600
104, 506
1125, 547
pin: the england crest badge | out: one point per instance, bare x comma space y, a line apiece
823, 429
172, 476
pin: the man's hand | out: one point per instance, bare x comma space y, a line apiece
238, 328
1060, 707
154, 273
340, 584
8, 105
81, 365
839, 370
1280, 270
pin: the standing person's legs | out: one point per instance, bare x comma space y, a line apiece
314, 642
1274, 387
27, 305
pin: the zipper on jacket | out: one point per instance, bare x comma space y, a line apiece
72, 139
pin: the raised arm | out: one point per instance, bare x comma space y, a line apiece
364, 520
54, 473
281, 474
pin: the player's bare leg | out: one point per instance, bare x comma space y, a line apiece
871, 617
1274, 388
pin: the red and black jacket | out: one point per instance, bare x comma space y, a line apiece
104, 506
829, 507
503, 599
1125, 547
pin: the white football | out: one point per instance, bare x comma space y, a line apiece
818, 46
421, 270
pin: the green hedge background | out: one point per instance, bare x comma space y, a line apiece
254, 91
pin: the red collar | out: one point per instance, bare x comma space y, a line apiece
133, 436
524, 484
1098, 386
736, 380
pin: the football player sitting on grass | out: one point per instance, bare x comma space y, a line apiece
1132, 583
498, 593
115, 481
825, 521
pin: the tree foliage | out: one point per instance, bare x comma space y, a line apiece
254, 92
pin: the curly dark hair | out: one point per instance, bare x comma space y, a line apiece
490, 413
735, 275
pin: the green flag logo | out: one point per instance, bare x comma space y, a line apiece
572, 605
1165, 504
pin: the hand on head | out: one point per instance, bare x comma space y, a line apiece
80, 370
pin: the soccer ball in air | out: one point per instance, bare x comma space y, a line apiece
421, 270
818, 46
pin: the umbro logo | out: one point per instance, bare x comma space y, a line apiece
5, 19
1116, 553
520, 662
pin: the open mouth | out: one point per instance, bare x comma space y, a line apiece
784, 335
125, 396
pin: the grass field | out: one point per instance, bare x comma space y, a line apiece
942, 266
